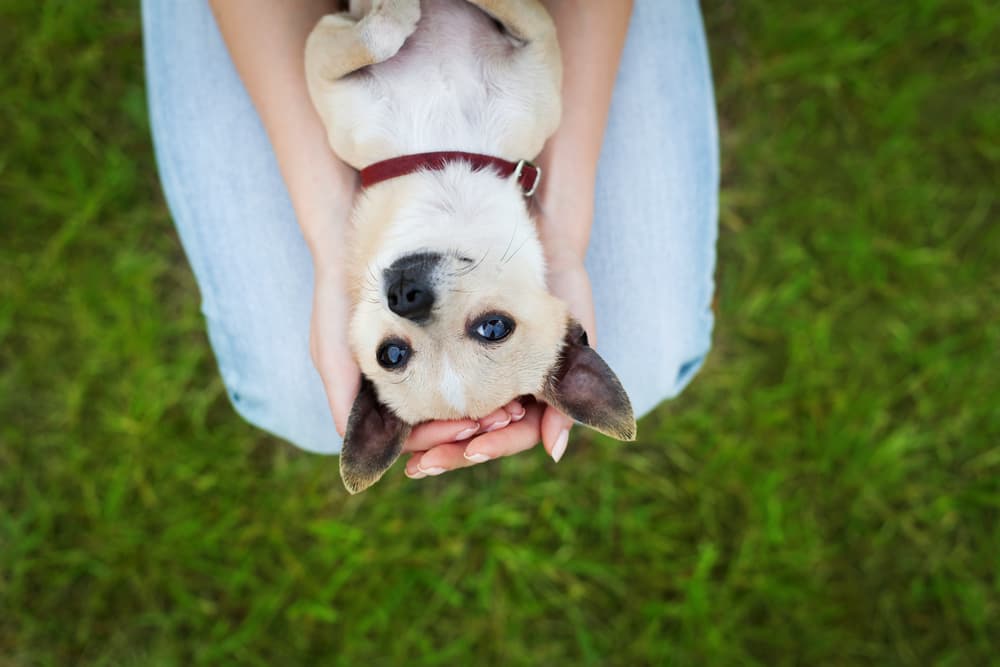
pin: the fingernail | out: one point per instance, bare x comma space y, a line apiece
467, 433
415, 475
559, 448
493, 427
477, 458
432, 471
518, 413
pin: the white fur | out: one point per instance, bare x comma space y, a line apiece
456, 83
384, 32
452, 387
460, 210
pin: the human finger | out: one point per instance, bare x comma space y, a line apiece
438, 460
555, 429
515, 438
433, 433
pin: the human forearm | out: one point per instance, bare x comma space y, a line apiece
266, 41
591, 37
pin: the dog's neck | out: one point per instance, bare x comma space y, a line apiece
526, 174
434, 209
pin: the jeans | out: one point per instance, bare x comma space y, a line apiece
652, 250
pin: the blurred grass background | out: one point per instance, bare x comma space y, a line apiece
825, 493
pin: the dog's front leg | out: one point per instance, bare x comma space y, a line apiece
526, 20
341, 44
530, 23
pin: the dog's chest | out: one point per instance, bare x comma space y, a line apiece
448, 85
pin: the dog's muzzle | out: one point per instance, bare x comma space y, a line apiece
409, 285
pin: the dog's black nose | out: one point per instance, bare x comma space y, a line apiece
408, 290
411, 299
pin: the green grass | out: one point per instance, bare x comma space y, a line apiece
826, 493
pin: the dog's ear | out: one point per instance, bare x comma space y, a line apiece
583, 387
373, 441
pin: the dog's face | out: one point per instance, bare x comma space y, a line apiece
446, 334
452, 317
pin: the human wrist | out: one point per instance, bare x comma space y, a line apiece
323, 201
565, 200
328, 256
564, 223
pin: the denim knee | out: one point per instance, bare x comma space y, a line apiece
653, 370
274, 386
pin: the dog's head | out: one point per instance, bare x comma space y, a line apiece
452, 318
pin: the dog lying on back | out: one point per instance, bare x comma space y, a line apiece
451, 316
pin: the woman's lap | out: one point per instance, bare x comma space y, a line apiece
236, 223
652, 250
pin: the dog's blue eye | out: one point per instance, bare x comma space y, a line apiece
493, 327
393, 354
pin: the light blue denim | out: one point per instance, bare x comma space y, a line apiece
652, 251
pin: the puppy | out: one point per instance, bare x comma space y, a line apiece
439, 104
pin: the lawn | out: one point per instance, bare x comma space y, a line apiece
827, 492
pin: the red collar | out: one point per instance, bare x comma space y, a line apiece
528, 175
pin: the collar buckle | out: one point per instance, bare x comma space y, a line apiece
538, 176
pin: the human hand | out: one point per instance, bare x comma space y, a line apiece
267, 46
440, 446
437, 446
328, 344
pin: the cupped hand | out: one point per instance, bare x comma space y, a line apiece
440, 446
329, 347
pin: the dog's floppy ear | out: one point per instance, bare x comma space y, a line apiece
583, 387
373, 441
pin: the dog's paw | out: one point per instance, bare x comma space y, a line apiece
405, 11
388, 26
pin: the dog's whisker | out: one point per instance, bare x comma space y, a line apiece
372, 279
477, 264
464, 271
526, 239
403, 379
513, 233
